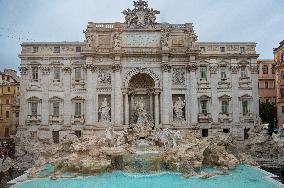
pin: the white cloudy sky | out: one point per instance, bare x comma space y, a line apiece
260, 21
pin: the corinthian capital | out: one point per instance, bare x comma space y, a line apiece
166, 67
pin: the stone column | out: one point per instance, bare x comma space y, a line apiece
68, 108
118, 99
157, 109
24, 108
126, 108
214, 83
90, 92
254, 82
235, 91
166, 99
192, 67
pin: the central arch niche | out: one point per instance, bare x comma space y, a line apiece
141, 87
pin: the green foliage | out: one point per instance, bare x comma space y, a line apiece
268, 113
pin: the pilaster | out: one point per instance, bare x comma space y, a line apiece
192, 67
90, 92
213, 68
235, 98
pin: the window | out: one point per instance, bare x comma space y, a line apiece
246, 135
9, 89
264, 69
77, 109
245, 107
243, 72
282, 92
282, 74
56, 109
282, 107
78, 49
204, 132
223, 73
225, 106
266, 84
55, 136
56, 49
7, 114
242, 50
7, 132
222, 49
35, 73
35, 49
267, 100
17, 114
7, 101
202, 49
273, 69
78, 134
77, 74
204, 107
57, 73
203, 72
34, 108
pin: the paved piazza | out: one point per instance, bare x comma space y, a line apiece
137, 73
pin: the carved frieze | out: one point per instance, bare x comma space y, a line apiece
166, 67
67, 70
234, 69
192, 67
91, 67
233, 48
165, 37
45, 70
104, 77
116, 40
178, 76
213, 69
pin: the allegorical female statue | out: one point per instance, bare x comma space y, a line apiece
140, 111
104, 110
178, 109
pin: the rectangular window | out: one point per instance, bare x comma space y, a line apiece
223, 73
7, 114
243, 72
202, 49
273, 69
78, 49
56, 49
266, 84
245, 107
282, 92
77, 74
35, 49
56, 73
222, 49
265, 69
226, 130
204, 107
7, 132
9, 89
282, 74
56, 109
242, 50
35, 73
225, 106
282, 109
7, 101
78, 109
17, 114
203, 72
34, 109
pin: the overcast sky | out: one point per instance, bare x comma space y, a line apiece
260, 21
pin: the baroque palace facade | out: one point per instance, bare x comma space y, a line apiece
128, 73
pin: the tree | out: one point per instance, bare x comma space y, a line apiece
268, 113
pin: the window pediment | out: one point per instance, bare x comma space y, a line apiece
55, 99
225, 97
34, 99
78, 98
204, 97
245, 97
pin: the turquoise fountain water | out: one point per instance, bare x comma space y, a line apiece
241, 177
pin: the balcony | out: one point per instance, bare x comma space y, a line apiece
55, 119
225, 117
78, 119
34, 119
247, 118
204, 118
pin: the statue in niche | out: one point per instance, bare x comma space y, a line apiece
178, 109
104, 110
116, 40
141, 111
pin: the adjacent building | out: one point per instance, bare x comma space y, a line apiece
279, 79
125, 73
9, 102
266, 81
